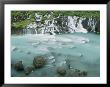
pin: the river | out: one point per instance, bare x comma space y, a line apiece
83, 51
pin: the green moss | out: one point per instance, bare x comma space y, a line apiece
21, 24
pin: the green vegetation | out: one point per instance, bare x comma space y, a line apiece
19, 19
21, 24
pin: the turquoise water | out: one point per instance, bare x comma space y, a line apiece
83, 51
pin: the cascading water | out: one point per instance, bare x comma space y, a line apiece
73, 21
68, 24
92, 23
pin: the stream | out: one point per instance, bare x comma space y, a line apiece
83, 51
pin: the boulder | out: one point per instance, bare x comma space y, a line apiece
84, 73
14, 48
19, 66
29, 52
61, 71
28, 70
39, 61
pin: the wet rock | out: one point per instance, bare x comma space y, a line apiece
63, 43
19, 66
84, 41
20, 51
50, 48
39, 61
28, 70
51, 57
84, 73
77, 70
28, 52
67, 60
72, 47
14, 48
53, 61
80, 73
61, 71
12, 64
81, 55
76, 73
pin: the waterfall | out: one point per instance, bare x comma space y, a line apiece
30, 29
75, 25
72, 21
68, 24
92, 23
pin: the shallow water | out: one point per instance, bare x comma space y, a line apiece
83, 51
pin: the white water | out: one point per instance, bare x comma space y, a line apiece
74, 24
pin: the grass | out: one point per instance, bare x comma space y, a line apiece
21, 24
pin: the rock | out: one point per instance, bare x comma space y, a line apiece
77, 70
14, 48
51, 57
20, 51
80, 73
72, 47
53, 61
81, 55
84, 41
19, 66
84, 73
50, 48
28, 52
61, 71
39, 61
28, 70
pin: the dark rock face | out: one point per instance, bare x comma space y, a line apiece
61, 71
19, 66
97, 26
93, 22
39, 61
85, 24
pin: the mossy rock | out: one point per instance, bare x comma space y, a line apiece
39, 61
61, 71
28, 70
19, 66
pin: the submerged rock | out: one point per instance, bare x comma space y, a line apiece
53, 61
81, 55
29, 52
28, 70
84, 73
20, 51
50, 48
19, 66
51, 57
39, 61
14, 48
61, 71
77, 70
72, 47
85, 41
